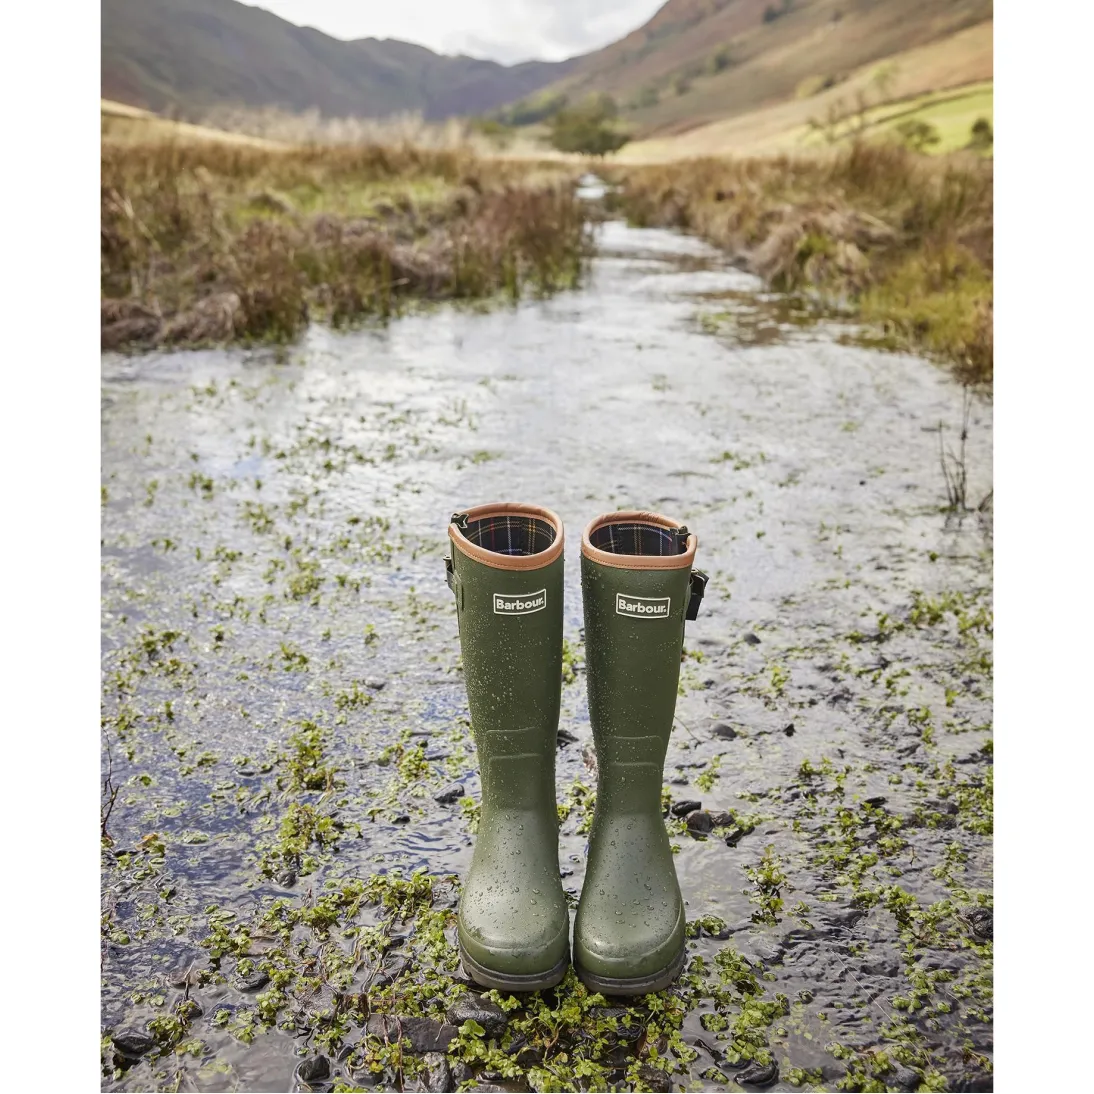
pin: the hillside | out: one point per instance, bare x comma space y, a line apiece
700, 61
186, 56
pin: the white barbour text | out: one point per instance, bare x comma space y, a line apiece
642, 607
520, 603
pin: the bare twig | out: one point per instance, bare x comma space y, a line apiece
110, 792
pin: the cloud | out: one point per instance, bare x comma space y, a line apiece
503, 30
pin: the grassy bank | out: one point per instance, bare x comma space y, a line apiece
904, 241
214, 242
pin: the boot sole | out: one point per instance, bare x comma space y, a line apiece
639, 985
514, 982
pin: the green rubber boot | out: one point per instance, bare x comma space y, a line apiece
638, 587
506, 573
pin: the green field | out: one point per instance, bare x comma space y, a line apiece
952, 114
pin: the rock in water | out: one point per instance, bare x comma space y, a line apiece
683, 808
438, 1077
313, 1070
449, 794
424, 1034
476, 1009
133, 1043
699, 823
757, 1074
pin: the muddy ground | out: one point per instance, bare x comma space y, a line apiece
283, 704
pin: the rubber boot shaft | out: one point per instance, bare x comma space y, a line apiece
629, 932
513, 917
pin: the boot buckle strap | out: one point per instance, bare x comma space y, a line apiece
452, 580
697, 586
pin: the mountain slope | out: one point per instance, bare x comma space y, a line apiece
190, 55
698, 61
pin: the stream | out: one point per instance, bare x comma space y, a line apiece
277, 632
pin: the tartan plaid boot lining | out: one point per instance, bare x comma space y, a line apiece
630, 538
511, 534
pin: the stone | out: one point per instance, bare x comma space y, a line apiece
788, 729
724, 730
253, 981
683, 808
565, 737
461, 1072
757, 1074
133, 1043
903, 1078
438, 1076
313, 1070
982, 921
449, 794
402, 818
700, 823
723, 819
473, 1008
424, 1034
752, 639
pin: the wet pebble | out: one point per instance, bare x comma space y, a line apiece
982, 921
700, 823
461, 1072
735, 834
752, 639
402, 818
565, 737
132, 1043
424, 1034
438, 1076
253, 981
683, 808
653, 1078
679, 780
723, 819
376, 684
476, 1009
757, 1074
449, 794
724, 730
287, 878
903, 1078
789, 729
315, 1069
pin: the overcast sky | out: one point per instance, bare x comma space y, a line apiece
503, 30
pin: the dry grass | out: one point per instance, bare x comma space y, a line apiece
210, 242
905, 240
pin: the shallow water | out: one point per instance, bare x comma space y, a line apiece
843, 604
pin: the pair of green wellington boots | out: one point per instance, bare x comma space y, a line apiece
638, 586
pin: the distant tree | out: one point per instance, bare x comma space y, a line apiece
588, 127
776, 11
647, 97
918, 134
982, 136
721, 60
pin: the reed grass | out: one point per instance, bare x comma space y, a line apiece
215, 242
902, 239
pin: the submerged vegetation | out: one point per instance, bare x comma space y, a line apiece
903, 240
207, 242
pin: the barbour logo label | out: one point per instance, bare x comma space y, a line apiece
642, 607
520, 603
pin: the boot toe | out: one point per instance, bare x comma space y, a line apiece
628, 947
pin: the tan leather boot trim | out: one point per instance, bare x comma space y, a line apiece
637, 562
509, 562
